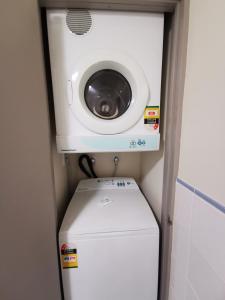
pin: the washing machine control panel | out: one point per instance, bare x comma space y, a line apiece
107, 183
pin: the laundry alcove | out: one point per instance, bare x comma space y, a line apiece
156, 171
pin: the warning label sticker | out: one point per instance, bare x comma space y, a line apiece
152, 116
68, 256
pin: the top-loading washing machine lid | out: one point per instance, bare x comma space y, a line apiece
109, 91
107, 205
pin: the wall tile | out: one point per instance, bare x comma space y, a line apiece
179, 261
182, 211
208, 234
171, 293
204, 280
181, 241
191, 294
198, 249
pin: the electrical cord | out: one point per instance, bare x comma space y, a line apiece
90, 174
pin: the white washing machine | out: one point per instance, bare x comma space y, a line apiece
109, 243
106, 74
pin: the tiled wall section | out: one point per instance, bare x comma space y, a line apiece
198, 253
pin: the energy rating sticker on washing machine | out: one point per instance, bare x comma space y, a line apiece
69, 256
152, 116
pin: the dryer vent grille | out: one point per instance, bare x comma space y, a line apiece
79, 21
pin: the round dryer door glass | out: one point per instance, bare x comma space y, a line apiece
107, 94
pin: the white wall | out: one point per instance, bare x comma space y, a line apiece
202, 153
197, 265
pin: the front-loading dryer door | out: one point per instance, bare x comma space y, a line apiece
110, 92
107, 94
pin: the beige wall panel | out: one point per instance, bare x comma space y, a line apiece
141, 5
152, 179
202, 153
29, 266
60, 181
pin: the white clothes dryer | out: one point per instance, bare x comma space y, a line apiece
106, 75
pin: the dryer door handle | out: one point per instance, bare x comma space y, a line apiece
69, 92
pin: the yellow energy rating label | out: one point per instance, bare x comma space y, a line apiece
152, 117
68, 256
151, 112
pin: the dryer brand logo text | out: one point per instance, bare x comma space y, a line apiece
137, 143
